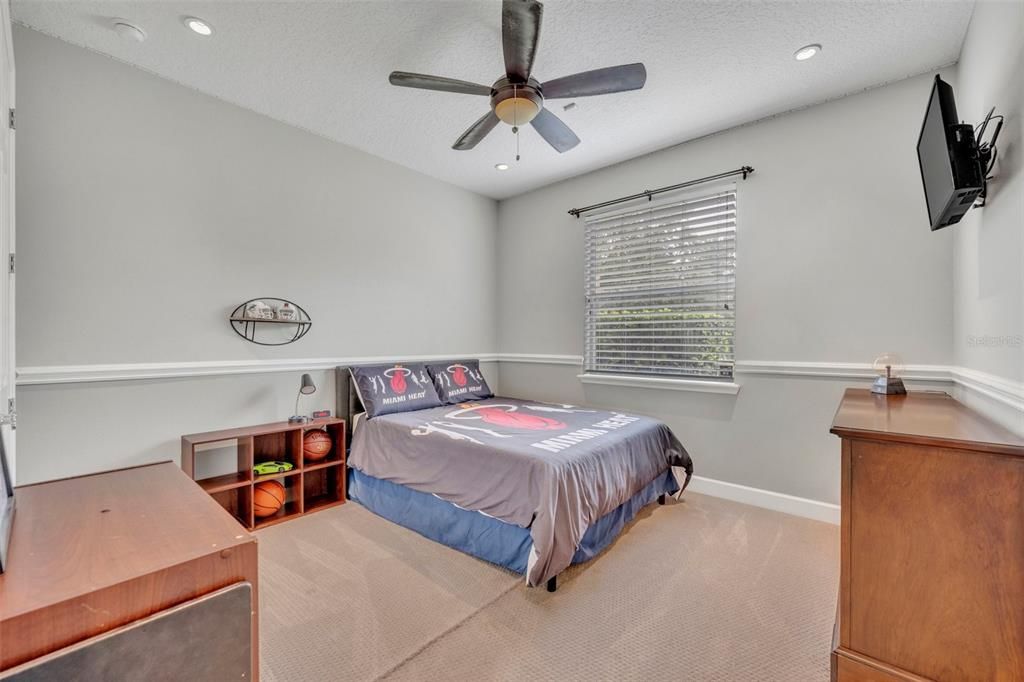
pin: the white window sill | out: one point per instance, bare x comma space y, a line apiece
696, 385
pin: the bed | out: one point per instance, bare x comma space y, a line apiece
531, 486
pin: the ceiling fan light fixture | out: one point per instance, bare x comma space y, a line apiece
517, 111
517, 98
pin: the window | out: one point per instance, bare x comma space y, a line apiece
661, 288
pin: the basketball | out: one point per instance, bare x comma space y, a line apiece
267, 498
316, 444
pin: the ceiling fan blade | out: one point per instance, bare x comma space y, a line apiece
425, 82
597, 82
554, 131
476, 132
520, 32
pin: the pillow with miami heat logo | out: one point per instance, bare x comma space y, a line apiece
386, 389
459, 380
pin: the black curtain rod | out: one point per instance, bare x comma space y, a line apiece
743, 170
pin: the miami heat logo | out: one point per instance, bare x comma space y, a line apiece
506, 415
397, 377
458, 373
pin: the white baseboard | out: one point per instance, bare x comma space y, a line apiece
788, 504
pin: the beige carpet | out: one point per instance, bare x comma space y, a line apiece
702, 589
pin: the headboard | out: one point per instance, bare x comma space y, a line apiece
347, 400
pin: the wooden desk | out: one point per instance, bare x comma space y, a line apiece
92, 553
932, 558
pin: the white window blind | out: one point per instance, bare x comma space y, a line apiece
661, 288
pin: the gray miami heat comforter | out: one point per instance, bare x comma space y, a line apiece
554, 469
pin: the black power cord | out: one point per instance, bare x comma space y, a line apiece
987, 155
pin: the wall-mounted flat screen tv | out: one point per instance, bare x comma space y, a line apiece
948, 155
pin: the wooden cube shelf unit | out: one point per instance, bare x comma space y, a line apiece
309, 485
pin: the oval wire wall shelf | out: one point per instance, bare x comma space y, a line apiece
246, 327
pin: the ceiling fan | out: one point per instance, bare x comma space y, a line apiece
517, 97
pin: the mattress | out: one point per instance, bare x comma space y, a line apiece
553, 469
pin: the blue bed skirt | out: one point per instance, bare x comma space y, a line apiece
483, 536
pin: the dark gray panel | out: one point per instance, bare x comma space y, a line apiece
205, 640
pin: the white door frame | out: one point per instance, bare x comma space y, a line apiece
8, 411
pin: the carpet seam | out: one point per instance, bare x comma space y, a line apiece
455, 626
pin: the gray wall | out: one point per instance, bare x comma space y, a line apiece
989, 242
147, 211
835, 264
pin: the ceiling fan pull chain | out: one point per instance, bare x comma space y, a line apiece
515, 116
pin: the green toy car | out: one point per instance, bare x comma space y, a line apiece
264, 468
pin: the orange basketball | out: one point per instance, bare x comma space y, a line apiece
316, 444
267, 498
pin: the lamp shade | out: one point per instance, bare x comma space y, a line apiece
307, 386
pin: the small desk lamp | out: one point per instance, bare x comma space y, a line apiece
306, 388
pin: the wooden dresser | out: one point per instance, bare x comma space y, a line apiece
932, 575
127, 552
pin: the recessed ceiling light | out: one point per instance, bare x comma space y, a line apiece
806, 52
501, 166
128, 31
199, 26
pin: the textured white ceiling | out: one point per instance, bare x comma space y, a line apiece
323, 66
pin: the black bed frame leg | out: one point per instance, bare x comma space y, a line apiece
552, 583
661, 498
